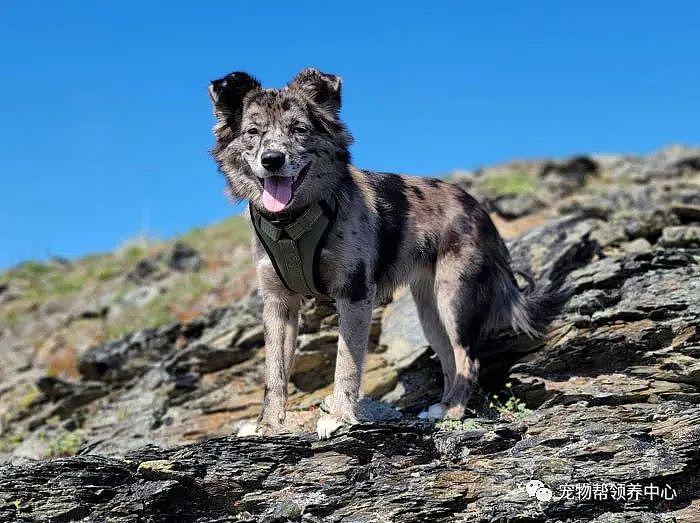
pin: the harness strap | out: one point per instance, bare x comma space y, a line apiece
266, 227
294, 247
305, 222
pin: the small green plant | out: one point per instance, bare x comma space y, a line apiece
453, 424
10, 441
10, 317
39, 281
28, 398
32, 269
124, 413
65, 444
513, 409
108, 272
133, 253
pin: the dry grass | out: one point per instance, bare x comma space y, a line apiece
512, 228
44, 289
63, 363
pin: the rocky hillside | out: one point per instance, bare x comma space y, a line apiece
605, 412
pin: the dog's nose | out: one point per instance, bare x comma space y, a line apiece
272, 160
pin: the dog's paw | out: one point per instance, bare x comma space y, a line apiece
251, 428
248, 428
327, 425
440, 411
434, 412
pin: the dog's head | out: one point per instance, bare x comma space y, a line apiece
280, 148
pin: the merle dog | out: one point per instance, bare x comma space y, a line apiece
285, 150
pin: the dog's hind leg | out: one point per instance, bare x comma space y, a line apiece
462, 307
423, 291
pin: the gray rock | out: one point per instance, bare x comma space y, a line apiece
516, 206
222, 338
681, 236
638, 245
121, 360
145, 270
401, 332
686, 213
202, 358
563, 178
646, 224
376, 472
139, 296
184, 258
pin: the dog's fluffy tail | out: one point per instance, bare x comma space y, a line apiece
528, 310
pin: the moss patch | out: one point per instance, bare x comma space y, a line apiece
508, 183
9, 441
453, 424
64, 444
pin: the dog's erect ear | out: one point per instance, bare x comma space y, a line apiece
232, 88
321, 88
227, 94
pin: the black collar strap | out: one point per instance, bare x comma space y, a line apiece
294, 246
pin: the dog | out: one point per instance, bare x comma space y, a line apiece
286, 151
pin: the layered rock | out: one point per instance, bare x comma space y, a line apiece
610, 398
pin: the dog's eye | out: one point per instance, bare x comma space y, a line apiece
299, 129
252, 131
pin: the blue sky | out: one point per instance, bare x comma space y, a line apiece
105, 122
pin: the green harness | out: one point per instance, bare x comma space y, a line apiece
294, 245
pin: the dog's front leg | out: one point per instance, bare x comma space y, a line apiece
355, 317
281, 320
281, 323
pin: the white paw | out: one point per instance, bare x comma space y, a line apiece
434, 412
249, 428
327, 425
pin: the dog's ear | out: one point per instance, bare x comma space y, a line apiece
227, 95
321, 88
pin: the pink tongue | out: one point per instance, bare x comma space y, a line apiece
277, 191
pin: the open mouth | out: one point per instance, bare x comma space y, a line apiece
278, 191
